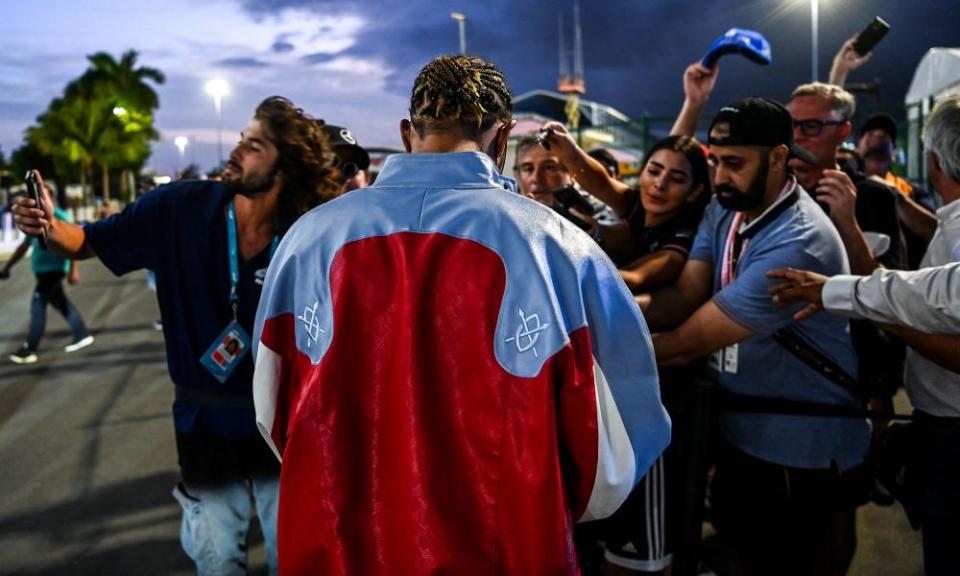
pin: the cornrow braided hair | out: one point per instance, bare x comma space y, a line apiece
464, 91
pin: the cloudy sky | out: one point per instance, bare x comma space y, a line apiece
352, 62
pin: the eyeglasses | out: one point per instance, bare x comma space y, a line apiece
812, 128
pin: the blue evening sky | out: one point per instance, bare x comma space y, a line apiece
352, 62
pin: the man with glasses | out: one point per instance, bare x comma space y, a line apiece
864, 211
856, 204
350, 159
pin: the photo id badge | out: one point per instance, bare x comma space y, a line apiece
730, 358
725, 359
226, 352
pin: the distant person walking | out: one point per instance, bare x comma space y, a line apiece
50, 271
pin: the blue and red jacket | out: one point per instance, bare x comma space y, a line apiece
452, 375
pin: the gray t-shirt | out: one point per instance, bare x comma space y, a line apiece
799, 236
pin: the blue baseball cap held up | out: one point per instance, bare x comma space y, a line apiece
747, 43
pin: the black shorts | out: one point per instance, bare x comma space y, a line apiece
642, 535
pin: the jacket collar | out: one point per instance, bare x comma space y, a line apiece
449, 170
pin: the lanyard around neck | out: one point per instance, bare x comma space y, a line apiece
234, 255
739, 235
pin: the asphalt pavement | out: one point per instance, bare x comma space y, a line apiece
88, 454
86, 438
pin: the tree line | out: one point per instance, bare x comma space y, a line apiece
102, 125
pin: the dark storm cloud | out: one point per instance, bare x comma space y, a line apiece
282, 47
241, 63
635, 52
318, 58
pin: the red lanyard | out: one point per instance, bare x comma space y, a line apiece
732, 250
737, 240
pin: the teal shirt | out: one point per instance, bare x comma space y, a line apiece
46, 261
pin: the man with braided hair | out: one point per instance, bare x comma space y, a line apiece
441, 362
210, 244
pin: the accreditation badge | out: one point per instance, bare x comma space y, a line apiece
725, 359
226, 352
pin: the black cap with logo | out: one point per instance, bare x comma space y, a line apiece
345, 147
756, 121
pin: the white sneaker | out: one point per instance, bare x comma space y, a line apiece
24, 356
81, 343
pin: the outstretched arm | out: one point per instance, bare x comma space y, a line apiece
944, 350
708, 330
698, 83
588, 172
669, 306
657, 269
846, 61
927, 300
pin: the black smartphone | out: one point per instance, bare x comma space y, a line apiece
870, 36
33, 189
542, 136
570, 197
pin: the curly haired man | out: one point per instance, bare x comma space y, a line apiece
210, 244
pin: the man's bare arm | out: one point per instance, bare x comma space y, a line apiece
588, 172
915, 217
709, 329
654, 269
668, 307
942, 349
846, 61
698, 83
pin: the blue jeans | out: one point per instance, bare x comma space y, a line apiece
213, 531
49, 290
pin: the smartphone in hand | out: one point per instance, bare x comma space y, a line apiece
543, 137
570, 197
870, 36
33, 189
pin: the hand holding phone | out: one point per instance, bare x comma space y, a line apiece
33, 190
870, 36
543, 137
569, 197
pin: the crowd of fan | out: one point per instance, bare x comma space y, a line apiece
719, 285
730, 248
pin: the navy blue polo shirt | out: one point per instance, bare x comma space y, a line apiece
180, 232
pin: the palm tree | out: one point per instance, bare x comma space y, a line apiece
122, 88
104, 119
127, 81
72, 128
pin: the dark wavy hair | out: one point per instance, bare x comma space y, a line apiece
304, 157
463, 91
692, 150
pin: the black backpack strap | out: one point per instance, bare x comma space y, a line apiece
729, 402
809, 355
